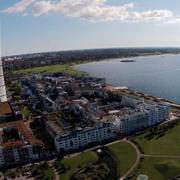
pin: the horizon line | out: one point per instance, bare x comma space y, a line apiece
98, 48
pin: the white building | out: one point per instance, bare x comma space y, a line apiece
84, 137
157, 113
130, 123
3, 96
150, 115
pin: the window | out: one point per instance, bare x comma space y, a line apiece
71, 143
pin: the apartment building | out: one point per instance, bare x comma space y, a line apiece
17, 145
81, 111
149, 115
81, 138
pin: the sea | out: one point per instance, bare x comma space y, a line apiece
154, 75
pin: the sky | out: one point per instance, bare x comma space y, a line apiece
30, 26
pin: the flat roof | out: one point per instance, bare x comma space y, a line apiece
5, 108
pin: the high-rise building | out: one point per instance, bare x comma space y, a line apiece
3, 96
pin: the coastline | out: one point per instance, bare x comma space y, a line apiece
137, 94
134, 93
126, 58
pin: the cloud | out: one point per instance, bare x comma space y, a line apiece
42, 7
92, 10
151, 15
95, 10
19, 7
174, 21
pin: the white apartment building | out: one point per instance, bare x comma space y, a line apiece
130, 123
151, 115
157, 113
84, 137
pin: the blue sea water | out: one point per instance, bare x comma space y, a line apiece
155, 75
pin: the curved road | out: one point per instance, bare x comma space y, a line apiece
133, 167
140, 155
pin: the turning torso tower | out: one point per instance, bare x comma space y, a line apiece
3, 97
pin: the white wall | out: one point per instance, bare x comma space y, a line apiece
3, 96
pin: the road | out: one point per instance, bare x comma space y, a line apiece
160, 156
140, 155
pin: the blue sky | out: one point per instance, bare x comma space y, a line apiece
48, 25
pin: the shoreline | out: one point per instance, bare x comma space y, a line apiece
126, 58
138, 94
135, 93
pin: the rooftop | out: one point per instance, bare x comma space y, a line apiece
5, 108
25, 135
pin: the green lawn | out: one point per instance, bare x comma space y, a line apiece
50, 69
168, 144
125, 154
73, 163
159, 168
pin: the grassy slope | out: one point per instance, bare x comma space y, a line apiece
50, 69
169, 144
74, 162
125, 154
159, 168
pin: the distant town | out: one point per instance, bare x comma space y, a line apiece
61, 57
48, 117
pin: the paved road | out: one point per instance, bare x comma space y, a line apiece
133, 167
140, 155
160, 156
93, 148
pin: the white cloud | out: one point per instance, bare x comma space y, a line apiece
42, 7
19, 7
92, 10
151, 15
174, 21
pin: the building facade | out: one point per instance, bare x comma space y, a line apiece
3, 96
85, 137
17, 144
157, 113
132, 123
19, 155
150, 115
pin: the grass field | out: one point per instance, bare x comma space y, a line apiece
78, 161
50, 69
168, 144
159, 168
125, 154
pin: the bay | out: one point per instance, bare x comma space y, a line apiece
155, 75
